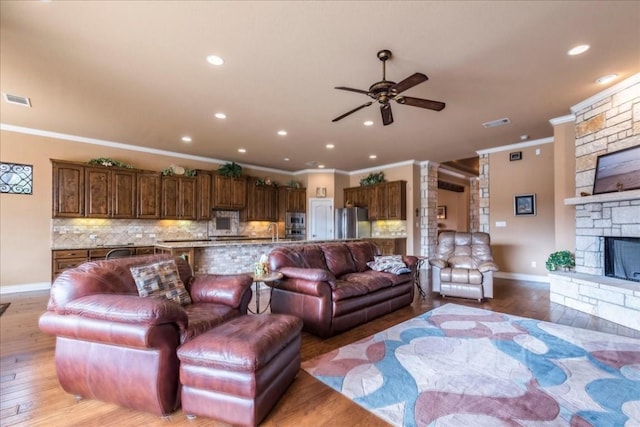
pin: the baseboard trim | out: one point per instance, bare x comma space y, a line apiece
519, 276
26, 287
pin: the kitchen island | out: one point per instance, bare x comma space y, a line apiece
225, 257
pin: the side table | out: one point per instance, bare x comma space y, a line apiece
271, 277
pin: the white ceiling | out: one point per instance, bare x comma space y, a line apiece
135, 73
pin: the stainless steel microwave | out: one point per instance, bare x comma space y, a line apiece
295, 220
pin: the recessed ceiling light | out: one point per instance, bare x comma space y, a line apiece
524, 137
282, 132
577, 50
215, 60
286, 159
320, 166
220, 115
330, 146
242, 150
606, 79
186, 139
368, 123
373, 156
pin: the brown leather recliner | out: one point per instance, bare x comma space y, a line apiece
463, 265
115, 346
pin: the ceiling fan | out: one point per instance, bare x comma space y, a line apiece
386, 90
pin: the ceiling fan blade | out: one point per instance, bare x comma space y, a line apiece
350, 89
387, 116
408, 83
422, 103
352, 111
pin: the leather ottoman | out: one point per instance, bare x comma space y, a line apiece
238, 371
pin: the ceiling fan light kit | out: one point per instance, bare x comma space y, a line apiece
386, 90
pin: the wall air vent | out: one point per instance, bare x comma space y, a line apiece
312, 163
17, 100
496, 123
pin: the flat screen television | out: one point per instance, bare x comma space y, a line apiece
618, 171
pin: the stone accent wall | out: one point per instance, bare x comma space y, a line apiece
483, 194
608, 125
428, 204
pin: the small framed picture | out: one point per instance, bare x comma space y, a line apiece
321, 191
524, 204
516, 155
442, 212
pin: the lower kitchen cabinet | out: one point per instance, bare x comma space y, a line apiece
390, 246
64, 259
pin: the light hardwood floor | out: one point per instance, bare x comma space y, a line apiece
31, 395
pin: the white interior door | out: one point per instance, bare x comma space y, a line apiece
320, 219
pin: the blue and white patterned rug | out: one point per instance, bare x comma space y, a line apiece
462, 366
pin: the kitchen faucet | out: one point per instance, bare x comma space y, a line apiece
273, 228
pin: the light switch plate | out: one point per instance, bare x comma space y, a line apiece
501, 223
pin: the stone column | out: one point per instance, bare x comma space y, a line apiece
428, 205
474, 204
483, 187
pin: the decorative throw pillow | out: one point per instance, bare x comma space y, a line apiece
389, 264
160, 280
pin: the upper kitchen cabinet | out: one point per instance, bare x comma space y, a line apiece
229, 193
204, 194
179, 197
356, 197
68, 190
110, 193
387, 200
293, 199
396, 199
148, 195
262, 202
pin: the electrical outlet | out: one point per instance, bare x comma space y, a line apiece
93, 236
533, 264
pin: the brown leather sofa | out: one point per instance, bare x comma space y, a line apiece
115, 346
331, 287
463, 265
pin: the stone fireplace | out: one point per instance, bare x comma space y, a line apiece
605, 123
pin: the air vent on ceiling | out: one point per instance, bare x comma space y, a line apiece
18, 100
312, 163
496, 123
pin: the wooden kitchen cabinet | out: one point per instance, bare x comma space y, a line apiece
293, 199
148, 194
262, 202
357, 196
110, 193
229, 193
387, 200
68, 190
178, 197
204, 192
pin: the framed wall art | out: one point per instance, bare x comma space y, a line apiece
441, 212
516, 155
524, 204
16, 178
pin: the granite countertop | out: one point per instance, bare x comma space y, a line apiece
209, 243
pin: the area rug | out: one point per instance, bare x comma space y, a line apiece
3, 307
462, 366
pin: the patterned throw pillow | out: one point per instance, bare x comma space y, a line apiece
389, 264
160, 280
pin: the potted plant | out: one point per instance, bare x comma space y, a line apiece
372, 178
232, 170
563, 260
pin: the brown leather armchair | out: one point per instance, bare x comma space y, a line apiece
463, 265
115, 346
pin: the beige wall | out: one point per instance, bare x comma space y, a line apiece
25, 220
564, 167
525, 239
457, 207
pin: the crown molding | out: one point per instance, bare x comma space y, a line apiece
516, 146
569, 118
389, 166
625, 84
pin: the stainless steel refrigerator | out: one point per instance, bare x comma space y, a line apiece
352, 223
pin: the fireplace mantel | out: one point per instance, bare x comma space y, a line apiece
606, 197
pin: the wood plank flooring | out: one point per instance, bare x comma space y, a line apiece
31, 396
